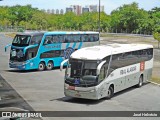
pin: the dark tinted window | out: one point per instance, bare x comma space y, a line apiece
129, 58
36, 39
21, 40
70, 38
52, 53
48, 40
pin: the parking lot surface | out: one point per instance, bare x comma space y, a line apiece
43, 91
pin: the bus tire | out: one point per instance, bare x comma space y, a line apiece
140, 83
41, 66
110, 92
49, 65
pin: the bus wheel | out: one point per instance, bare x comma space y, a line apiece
41, 66
49, 65
110, 92
140, 81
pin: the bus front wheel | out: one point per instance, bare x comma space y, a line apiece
49, 65
110, 92
41, 66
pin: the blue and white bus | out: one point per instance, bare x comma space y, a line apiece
45, 50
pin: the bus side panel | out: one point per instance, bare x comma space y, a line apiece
132, 80
124, 77
59, 46
148, 75
148, 70
32, 63
75, 45
129, 76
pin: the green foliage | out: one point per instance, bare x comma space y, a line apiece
131, 19
20, 30
156, 36
127, 18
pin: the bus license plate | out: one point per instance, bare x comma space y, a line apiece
71, 87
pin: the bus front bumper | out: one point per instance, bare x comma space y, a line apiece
89, 94
18, 65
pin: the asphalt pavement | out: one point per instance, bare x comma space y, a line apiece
43, 91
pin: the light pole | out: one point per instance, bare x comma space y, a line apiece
99, 27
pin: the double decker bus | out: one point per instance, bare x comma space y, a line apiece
45, 50
100, 71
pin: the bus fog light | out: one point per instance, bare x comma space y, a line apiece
66, 87
92, 90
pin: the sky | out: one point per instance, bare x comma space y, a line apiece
109, 5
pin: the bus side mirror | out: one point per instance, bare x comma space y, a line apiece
99, 67
7, 47
62, 63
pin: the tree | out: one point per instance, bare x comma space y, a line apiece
156, 36
129, 18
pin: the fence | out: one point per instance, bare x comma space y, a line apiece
12, 29
107, 30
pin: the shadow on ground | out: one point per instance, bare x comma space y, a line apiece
28, 71
93, 102
10, 98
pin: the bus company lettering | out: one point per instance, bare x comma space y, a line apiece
51, 47
127, 70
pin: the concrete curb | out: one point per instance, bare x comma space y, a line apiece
12, 109
155, 83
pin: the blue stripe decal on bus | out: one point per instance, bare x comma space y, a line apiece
74, 45
67, 45
80, 45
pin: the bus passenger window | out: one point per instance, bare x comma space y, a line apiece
91, 38
61, 39
150, 53
77, 38
66, 39
55, 39
48, 40
82, 38
36, 40
86, 38
72, 38
69, 38
95, 37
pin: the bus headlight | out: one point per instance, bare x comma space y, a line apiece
92, 90
23, 67
23, 63
66, 86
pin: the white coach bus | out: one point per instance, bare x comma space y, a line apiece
100, 71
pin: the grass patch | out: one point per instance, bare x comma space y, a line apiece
156, 80
12, 35
118, 36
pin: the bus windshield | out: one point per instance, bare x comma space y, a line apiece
85, 71
21, 40
83, 68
